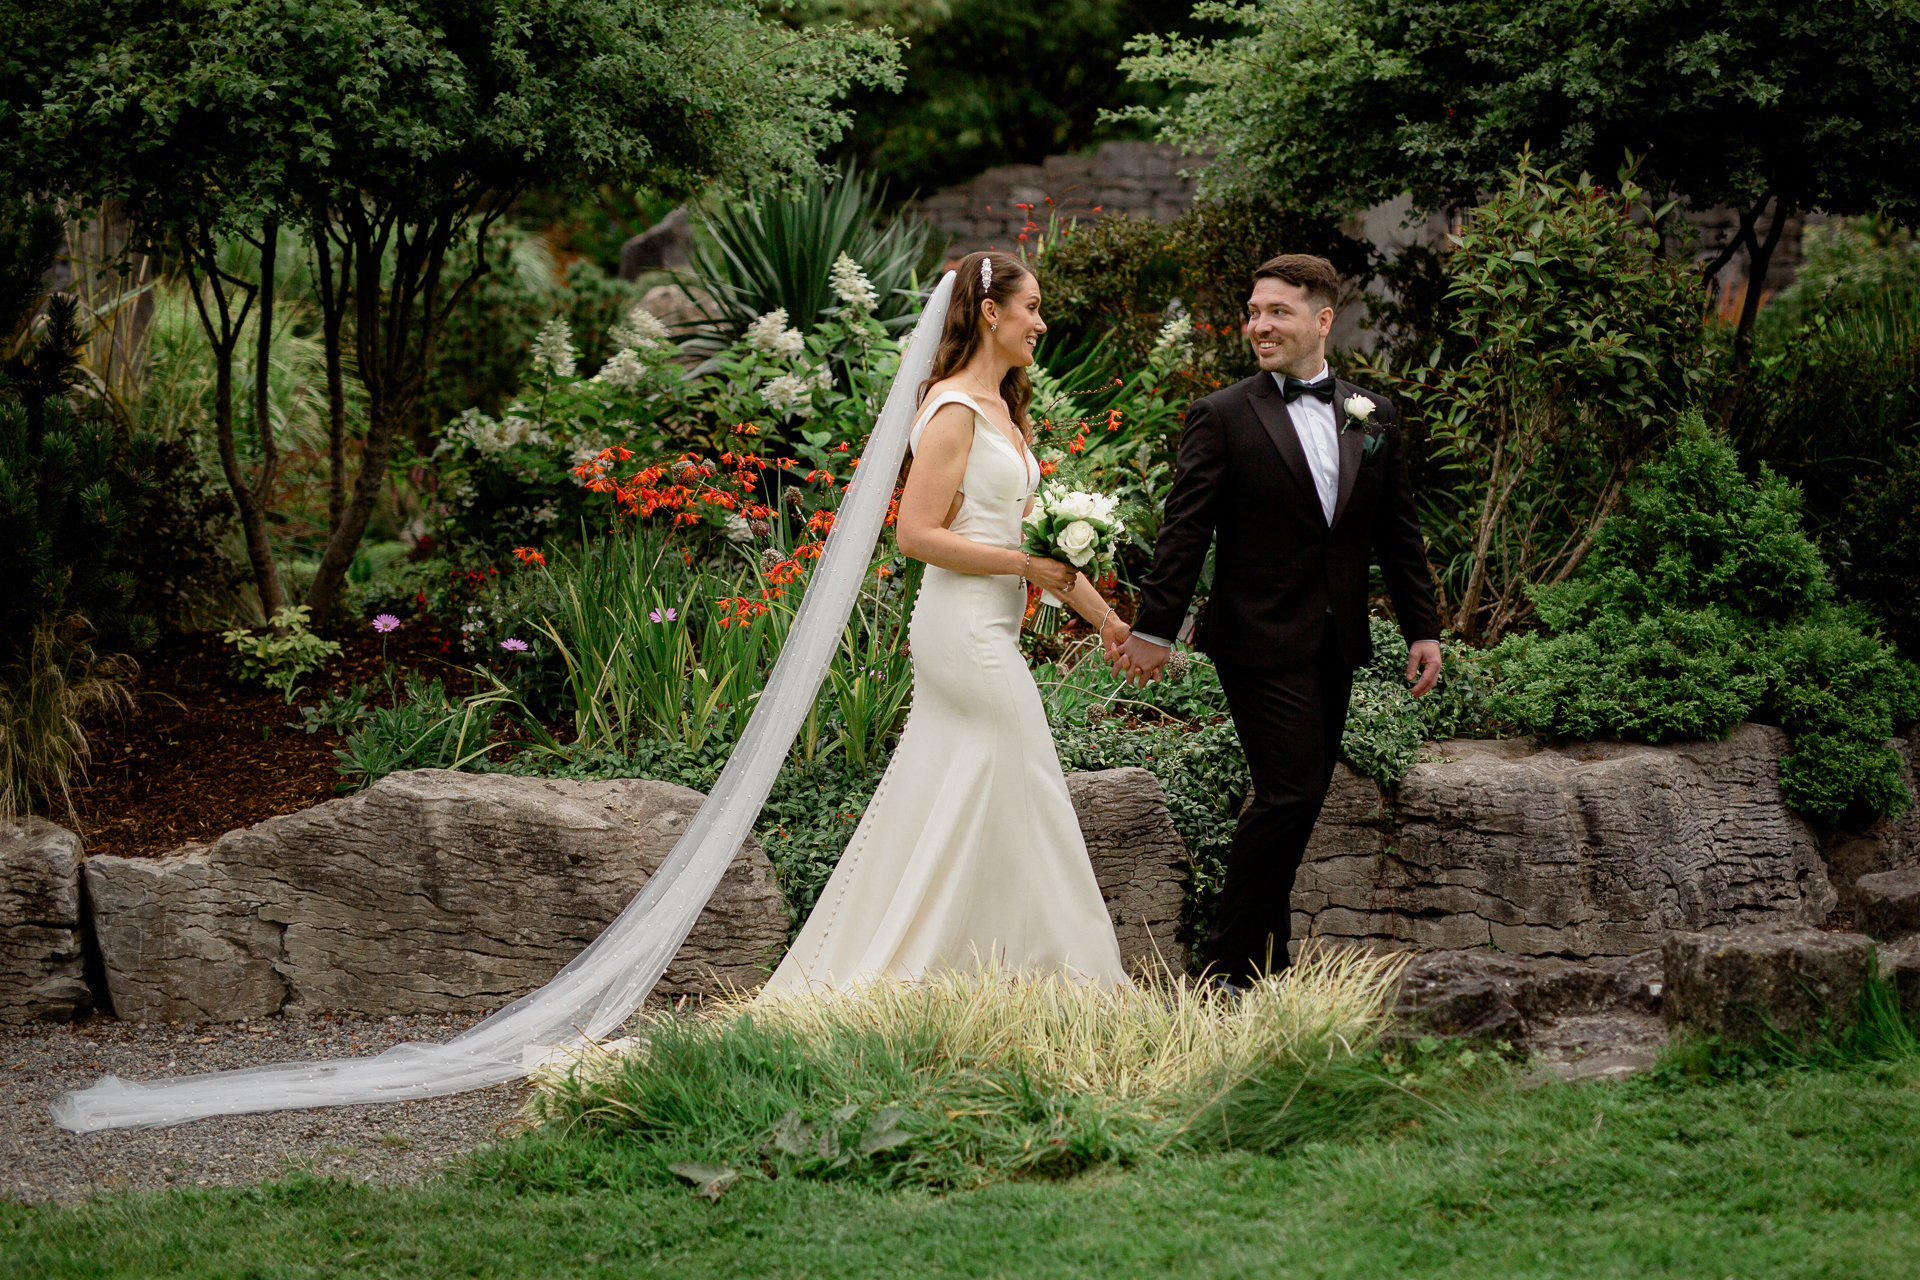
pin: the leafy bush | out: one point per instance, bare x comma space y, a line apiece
426, 727
1387, 725
1704, 603
67, 483
1585, 345
1879, 549
279, 654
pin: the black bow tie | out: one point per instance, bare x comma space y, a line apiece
1293, 389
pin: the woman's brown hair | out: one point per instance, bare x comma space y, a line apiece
965, 330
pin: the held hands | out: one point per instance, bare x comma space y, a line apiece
1423, 665
1136, 660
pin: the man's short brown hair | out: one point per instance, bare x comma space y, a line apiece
1314, 274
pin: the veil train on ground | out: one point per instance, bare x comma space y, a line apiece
605, 983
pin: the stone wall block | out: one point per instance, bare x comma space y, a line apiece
1140, 861
1580, 849
432, 891
1746, 985
41, 964
1887, 905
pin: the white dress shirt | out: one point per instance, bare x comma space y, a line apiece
1314, 424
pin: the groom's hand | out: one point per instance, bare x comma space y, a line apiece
1140, 660
1423, 665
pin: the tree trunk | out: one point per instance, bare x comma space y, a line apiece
201, 259
333, 312
1759, 256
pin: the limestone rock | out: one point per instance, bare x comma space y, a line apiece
1483, 995
1587, 849
432, 891
1743, 985
664, 246
1900, 966
1139, 859
1887, 906
41, 965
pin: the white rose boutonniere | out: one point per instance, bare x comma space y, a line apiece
1359, 409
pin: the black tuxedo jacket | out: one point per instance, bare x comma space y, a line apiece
1279, 567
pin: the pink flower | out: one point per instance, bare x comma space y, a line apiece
385, 622
514, 646
656, 616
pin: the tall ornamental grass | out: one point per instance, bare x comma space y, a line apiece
965, 1078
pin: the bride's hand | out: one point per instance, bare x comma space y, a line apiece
1052, 574
1112, 636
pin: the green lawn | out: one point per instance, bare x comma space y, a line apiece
1798, 1174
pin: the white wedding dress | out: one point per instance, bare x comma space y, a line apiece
969, 851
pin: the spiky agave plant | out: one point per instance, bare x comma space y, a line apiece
776, 249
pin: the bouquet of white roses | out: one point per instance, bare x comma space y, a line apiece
1081, 528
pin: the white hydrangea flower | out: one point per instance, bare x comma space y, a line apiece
851, 283
641, 330
1175, 343
553, 348
771, 335
787, 394
623, 371
587, 448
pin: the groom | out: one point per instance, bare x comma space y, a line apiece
1302, 479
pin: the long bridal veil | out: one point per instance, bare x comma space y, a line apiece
597, 991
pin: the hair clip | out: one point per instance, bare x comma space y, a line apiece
986, 274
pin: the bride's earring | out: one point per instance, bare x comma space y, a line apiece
993, 326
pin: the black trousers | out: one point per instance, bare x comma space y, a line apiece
1289, 724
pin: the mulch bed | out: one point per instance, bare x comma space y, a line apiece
202, 753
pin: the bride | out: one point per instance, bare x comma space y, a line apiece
970, 846
970, 849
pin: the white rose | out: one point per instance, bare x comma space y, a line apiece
1359, 408
1077, 542
1035, 517
1077, 505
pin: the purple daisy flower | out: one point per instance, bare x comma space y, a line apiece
514, 646
385, 622
657, 616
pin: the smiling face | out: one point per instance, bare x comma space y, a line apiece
1020, 325
1287, 328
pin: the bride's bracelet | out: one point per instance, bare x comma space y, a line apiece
1101, 630
1026, 566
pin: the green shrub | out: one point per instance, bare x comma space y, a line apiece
426, 727
1704, 603
279, 654
67, 483
1878, 548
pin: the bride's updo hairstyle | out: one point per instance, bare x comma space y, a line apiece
966, 328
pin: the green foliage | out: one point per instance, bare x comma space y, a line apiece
1835, 396
480, 357
1880, 549
1387, 726
281, 653
866, 1109
1585, 344
425, 727
1704, 604
775, 250
986, 85
67, 484
1362, 100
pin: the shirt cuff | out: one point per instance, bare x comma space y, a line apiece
1141, 635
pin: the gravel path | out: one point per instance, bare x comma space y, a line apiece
390, 1143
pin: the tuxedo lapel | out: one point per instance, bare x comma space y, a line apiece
1352, 440
1271, 409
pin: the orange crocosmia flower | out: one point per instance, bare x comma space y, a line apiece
1078, 444
1048, 468
527, 555
841, 447
855, 463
